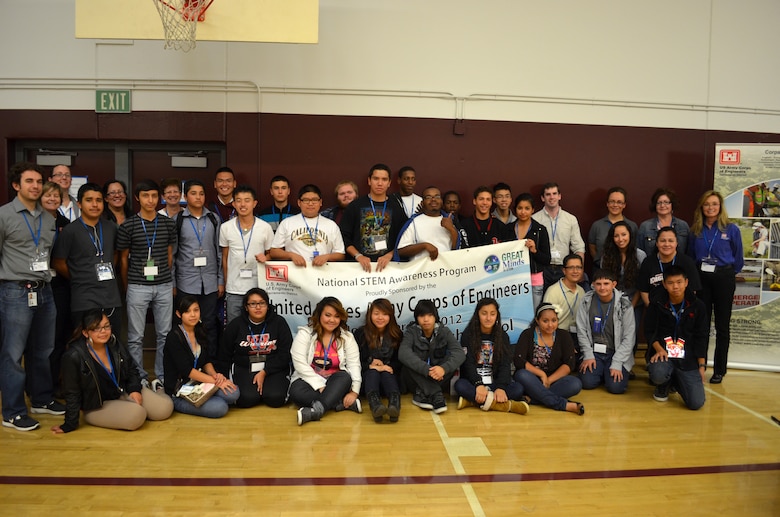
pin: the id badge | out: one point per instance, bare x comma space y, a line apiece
380, 243
600, 348
105, 271
40, 261
200, 259
597, 325
257, 363
573, 329
245, 273
487, 380
555, 255
315, 254
32, 299
707, 267
150, 270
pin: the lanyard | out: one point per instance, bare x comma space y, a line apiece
97, 241
69, 214
566, 299
219, 214
707, 242
544, 343
604, 318
36, 239
195, 352
150, 245
108, 369
660, 264
479, 227
380, 220
327, 352
677, 317
246, 244
201, 235
252, 334
314, 234
554, 225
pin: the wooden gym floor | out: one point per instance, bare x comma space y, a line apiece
627, 455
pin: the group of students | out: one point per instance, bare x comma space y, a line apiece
203, 252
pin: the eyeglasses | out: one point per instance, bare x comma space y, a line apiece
255, 305
616, 203
60, 175
101, 329
663, 203
574, 268
310, 200
428, 198
116, 193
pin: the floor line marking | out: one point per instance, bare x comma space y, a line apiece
451, 446
740, 406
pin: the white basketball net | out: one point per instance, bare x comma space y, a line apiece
180, 21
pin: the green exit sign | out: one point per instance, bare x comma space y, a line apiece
112, 101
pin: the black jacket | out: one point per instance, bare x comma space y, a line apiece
80, 379
502, 370
234, 347
694, 329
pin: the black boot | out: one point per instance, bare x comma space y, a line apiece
394, 406
378, 409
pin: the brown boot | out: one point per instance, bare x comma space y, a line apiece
510, 406
463, 403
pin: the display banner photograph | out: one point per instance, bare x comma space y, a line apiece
455, 281
748, 177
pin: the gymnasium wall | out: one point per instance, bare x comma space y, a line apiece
590, 94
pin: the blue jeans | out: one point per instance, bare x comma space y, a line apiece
687, 382
29, 332
233, 303
554, 397
468, 391
215, 407
600, 372
139, 298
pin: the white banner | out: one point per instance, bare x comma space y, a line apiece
748, 176
455, 281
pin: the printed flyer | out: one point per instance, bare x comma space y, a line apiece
748, 176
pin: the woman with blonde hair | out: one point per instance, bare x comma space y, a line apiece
716, 246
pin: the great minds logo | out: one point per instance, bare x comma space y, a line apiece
491, 264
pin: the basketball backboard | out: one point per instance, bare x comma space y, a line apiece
268, 21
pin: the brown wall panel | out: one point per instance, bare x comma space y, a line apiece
585, 160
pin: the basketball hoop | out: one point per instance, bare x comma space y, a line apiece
180, 21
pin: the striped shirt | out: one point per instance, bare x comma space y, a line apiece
133, 237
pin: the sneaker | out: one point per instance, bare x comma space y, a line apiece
157, 385
421, 401
22, 423
305, 414
661, 393
145, 384
356, 407
52, 408
438, 402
